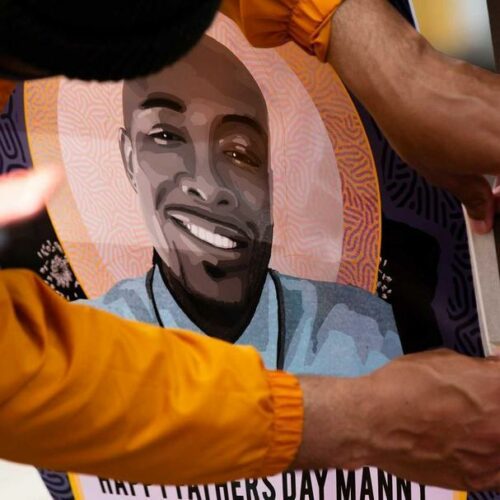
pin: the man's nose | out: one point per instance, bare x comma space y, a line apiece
205, 191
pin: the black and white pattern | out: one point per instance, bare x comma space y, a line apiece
56, 271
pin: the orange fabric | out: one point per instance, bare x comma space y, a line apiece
269, 23
85, 391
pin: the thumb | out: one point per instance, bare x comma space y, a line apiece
476, 194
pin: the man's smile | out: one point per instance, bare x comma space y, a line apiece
208, 236
218, 234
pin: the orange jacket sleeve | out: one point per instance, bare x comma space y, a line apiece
85, 391
269, 23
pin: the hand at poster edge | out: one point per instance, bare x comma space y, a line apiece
441, 115
431, 418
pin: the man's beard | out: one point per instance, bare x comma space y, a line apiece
217, 318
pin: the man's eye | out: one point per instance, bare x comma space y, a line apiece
166, 138
243, 159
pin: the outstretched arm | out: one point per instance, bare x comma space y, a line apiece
86, 391
441, 115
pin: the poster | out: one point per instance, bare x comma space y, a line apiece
244, 194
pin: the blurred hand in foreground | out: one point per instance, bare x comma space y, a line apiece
23, 193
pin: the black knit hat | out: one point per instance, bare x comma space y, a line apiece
102, 40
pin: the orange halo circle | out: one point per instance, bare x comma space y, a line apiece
71, 123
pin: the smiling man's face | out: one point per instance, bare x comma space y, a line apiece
195, 148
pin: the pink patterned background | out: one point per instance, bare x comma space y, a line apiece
326, 205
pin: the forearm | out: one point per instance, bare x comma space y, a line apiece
441, 115
375, 51
336, 431
85, 391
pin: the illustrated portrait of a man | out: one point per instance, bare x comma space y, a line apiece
195, 146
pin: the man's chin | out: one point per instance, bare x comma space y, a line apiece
226, 291
221, 306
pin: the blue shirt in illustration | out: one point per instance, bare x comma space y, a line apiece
299, 325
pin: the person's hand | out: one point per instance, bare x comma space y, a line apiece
441, 115
449, 130
23, 193
433, 418
445, 423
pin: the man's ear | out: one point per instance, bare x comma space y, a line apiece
126, 152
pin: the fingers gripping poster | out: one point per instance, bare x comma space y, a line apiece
243, 194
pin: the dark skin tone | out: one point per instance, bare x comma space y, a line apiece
444, 123
196, 151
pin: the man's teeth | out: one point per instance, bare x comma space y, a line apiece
213, 239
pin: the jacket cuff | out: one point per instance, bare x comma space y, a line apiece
273, 23
286, 433
310, 25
